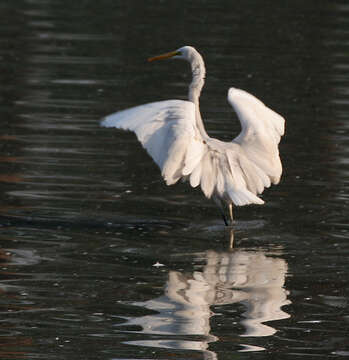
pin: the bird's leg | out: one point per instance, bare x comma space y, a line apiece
231, 213
221, 209
224, 218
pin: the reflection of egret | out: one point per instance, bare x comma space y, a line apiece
246, 277
173, 133
253, 279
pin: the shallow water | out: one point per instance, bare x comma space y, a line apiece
99, 259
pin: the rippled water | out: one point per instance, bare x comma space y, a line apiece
98, 258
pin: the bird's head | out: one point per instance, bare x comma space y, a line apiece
185, 53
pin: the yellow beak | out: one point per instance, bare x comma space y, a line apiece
163, 56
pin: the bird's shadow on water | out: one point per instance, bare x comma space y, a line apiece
237, 225
102, 220
218, 229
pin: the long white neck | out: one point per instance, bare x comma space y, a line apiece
195, 87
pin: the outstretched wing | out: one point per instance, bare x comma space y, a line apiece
167, 130
235, 172
260, 134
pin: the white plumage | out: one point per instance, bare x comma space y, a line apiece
173, 134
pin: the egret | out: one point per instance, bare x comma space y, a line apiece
173, 133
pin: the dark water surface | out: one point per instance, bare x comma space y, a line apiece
99, 259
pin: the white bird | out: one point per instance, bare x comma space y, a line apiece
173, 133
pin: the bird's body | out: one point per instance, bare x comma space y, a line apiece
173, 133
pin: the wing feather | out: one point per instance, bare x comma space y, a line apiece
208, 174
261, 131
164, 128
195, 176
237, 188
195, 151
